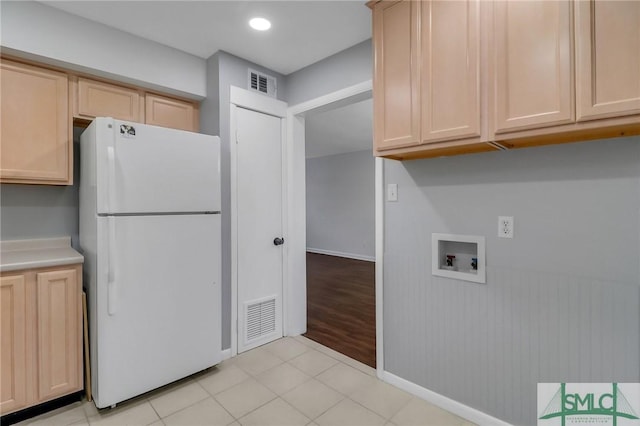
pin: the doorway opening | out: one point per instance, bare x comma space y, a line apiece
340, 224
341, 305
294, 276
340, 229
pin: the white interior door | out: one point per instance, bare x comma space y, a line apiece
259, 224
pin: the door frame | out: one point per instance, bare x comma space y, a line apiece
242, 98
296, 176
294, 285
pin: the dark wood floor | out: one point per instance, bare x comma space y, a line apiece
341, 305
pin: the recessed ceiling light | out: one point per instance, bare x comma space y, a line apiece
260, 24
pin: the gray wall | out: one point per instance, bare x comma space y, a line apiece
36, 31
42, 211
224, 71
351, 66
38, 211
562, 299
210, 106
341, 203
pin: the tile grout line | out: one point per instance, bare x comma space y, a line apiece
402, 406
341, 357
154, 409
296, 387
338, 360
235, 419
189, 406
286, 402
388, 419
329, 408
249, 412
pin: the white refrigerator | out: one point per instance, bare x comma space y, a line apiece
150, 234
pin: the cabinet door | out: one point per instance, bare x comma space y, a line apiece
59, 333
13, 336
173, 113
607, 58
35, 131
533, 64
450, 70
98, 99
396, 74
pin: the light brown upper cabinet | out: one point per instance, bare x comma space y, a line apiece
450, 74
502, 74
99, 99
36, 128
173, 113
533, 64
397, 74
607, 58
427, 78
38, 107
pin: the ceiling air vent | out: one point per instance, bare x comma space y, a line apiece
262, 83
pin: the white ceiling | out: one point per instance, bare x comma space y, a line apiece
303, 31
339, 131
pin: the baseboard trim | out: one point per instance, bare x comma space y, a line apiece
442, 401
341, 254
226, 354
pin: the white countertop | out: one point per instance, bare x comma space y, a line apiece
37, 253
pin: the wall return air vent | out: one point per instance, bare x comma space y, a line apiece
260, 318
263, 83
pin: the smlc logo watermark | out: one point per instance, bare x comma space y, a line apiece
574, 404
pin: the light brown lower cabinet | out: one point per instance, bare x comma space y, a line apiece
41, 325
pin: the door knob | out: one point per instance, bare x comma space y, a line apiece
278, 241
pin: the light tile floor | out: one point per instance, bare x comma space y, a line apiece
292, 381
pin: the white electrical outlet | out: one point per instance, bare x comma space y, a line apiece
505, 226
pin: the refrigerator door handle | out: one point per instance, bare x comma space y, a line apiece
111, 178
111, 282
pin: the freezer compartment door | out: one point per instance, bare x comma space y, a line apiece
150, 169
158, 302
